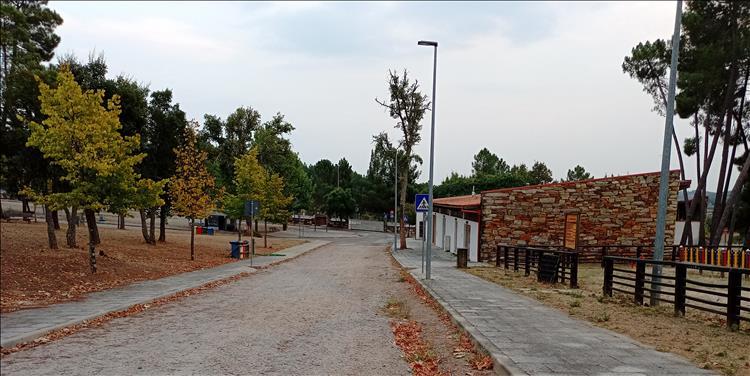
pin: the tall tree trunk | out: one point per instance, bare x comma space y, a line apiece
121, 221
51, 237
192, 239
92, 243
265, 233
25, 205
163, 223
732, 201
404, 172
708, 158
152, 226
55, 220
91, 224
144, 225
257, 231
70, 234
718, 208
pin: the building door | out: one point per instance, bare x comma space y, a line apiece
434, 227
467, 235
455, 235
442, 235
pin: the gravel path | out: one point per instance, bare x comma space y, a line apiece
318, 314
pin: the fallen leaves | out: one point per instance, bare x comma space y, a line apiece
423, 362
33, 276
478, 360
135, 309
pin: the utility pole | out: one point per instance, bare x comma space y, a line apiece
661, 214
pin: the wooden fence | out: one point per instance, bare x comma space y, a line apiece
728, 298
528, 259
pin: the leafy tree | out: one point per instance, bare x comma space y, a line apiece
82, 137
162, 136
192, 188
274, 204
487, 163
225, 140
578, 173
407, 105
340, 203
27, 39
249, 183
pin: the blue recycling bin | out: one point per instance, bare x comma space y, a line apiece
236, 247
210, 230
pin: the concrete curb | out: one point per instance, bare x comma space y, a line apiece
31, 336
503, 364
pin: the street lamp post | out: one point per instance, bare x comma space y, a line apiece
428, 267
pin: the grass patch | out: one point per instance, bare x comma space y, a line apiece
396, 308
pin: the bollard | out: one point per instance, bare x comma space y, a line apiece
463, 258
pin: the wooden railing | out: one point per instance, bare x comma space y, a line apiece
527, 259
729, 298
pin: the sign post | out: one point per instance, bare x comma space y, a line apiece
422, 205
252, 208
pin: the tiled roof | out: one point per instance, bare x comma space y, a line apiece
459, 201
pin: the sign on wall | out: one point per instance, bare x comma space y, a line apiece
571, 230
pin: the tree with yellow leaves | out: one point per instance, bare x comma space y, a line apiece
249, 183
192, 187
81, 136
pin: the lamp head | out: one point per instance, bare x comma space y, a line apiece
427, 43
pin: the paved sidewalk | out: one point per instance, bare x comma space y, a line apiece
27, 325
526, 337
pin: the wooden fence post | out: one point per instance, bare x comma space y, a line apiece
497, 255
527, 262
679, 289
574, 270
638, 251
640, 276
609, 266
505, 257
515, 259
733, 299
604, 254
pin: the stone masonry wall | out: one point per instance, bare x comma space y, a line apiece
617, 210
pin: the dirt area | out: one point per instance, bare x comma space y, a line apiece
31, 275
431, 343
701, 338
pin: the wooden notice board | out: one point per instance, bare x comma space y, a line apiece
572, 221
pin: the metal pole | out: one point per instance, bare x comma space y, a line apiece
395, 199
423, 237
428, 267
661, 213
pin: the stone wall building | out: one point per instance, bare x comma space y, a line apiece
613, 211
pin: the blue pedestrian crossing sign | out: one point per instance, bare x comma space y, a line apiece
422, 202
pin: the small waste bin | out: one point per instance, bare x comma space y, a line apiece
463, 258
198, 230
236, 248
209, 230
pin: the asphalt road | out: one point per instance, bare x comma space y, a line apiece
317, 314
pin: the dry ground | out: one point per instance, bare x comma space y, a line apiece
701, 338
31, 275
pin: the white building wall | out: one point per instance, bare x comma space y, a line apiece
447, 225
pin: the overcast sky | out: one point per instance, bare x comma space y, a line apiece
530, 81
